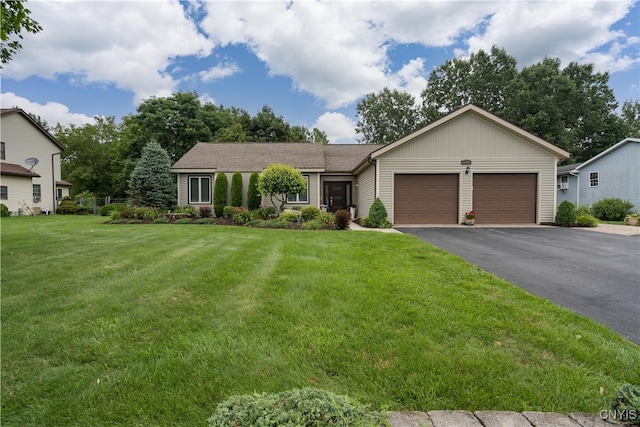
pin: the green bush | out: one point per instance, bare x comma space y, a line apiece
254, 198
241, 217
290, 216
298, 407
583, 210
67, 206
586, 221
182, 221
611, 209
625, 403
161, 220
315, 224
147, 213
236, 189
220, 194
204, 221
83, 210
377, 213
273, 223
107, 209
4, 211
341, 219
566, 214
365, 222
229, 211
326, 218
205, 212
186, 209
310, 212
265, 212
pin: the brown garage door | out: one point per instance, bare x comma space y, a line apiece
505, 198
425, 199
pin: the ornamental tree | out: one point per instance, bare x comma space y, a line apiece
236, 189
151, 183
220, 194
254, 198
278, 180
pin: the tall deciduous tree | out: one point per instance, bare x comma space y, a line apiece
14, 19
87, 161
386, 116
278, 180
151, 182
631, 118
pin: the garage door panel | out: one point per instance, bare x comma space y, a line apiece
426, 199
505, 198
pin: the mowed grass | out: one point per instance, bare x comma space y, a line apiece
156, 324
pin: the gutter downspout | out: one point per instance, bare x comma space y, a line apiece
374, 162
53, 178
576, 173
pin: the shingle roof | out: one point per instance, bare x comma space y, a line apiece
16, 170
254, 157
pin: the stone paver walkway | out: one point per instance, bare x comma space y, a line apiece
493, 419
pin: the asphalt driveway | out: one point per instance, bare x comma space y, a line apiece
594, 274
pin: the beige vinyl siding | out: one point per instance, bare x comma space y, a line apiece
366, 191
491, 149
18, 189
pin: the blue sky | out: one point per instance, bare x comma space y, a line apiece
310, 61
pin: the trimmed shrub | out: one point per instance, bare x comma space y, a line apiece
254, 198
161, 220
220, 194
84, 210
236, 189
67, 206
205, 212
4, 211
625, 403
377, 213
107, 209
586, 221
241, 217
611, 209
326, 218
583, 210
188, 210
265, 212
341, 219
365, 222
297, 407
229, 211
315, 224
147, 213
566, 214
204, 221
310, 212
290, 216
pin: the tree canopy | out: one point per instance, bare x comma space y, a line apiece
151, 182
278, 180
387, 116
14, 19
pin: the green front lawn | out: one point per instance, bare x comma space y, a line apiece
156, 324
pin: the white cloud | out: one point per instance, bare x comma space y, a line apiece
52, 112
339, 128
128, 43
219, 71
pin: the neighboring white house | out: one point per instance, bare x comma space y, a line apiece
29, 165
614, 173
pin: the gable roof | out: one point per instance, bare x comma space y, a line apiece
256, 156
605, 152
493, 119
9, 111
16, 170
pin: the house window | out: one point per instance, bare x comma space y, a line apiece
59, 194
4, 193
37, 193
594, 179
199, 189
2, 153
302, 197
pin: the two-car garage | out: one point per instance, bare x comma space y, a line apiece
498, 198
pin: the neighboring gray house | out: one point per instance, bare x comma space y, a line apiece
469, 159
613, 173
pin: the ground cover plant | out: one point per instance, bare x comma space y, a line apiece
157, 325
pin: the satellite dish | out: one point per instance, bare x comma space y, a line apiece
31, 162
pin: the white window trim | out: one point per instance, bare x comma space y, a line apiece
37, 196
200, 178
597, 179
5, 193
297, 195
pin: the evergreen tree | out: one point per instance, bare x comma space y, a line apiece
254, 198
151, 183
220, 194
236, 189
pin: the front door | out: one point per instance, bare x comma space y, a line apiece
337, 195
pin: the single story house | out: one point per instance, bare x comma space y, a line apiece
614, 173
29, 165
469, 159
